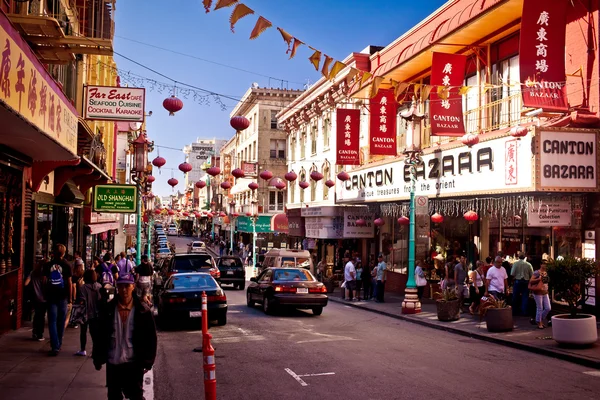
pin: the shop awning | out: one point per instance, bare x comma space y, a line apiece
279, 223
105, 227
241, 185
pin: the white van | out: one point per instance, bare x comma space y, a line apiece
288, 258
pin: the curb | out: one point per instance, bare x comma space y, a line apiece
516, 345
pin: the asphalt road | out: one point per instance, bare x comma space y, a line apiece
354, 354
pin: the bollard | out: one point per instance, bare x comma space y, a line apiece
210, 379
204, 316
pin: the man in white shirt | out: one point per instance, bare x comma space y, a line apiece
350, 277
496, 282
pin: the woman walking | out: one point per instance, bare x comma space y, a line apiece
477, 289
539, 285
420, 280
89, 296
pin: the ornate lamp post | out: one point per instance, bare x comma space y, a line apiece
254, 218
411, 303
213, 209
231, 223
139, 169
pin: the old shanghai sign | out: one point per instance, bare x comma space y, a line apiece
454, 172
114, 103
115, 198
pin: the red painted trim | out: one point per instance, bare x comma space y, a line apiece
63, 174
40, 169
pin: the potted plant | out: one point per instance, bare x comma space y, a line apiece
568, 277
328, 283
448, 305
497, 314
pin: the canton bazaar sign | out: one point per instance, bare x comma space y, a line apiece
501, 165
114, 103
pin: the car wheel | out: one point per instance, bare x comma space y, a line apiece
267, 306
222, 320
249, 301
317, 310
241, 286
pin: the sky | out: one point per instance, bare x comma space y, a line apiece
178, 40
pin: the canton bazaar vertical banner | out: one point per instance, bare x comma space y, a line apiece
382, 124
348, 129
446, 107
542, 54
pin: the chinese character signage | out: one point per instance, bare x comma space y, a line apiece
114, 103
510, 162
542, 54
382, 131
226, 164
348, 127
446, 110
115, 198
250, 169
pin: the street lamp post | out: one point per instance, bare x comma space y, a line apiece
140, 165
254, 219
213, 209
231, 224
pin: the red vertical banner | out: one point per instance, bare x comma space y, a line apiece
382, 124
542, 54
348, 136
446, 112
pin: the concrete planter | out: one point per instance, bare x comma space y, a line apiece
579, 331
499, 319
448, 310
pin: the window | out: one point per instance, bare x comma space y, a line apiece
303, 145
326, 128
325, 178
255, 150
275, 200
313, 187
313, 140
277, 148
292, 187
292, 149
302, 178
273, 119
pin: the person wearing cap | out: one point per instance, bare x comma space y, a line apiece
522, 272
126, 342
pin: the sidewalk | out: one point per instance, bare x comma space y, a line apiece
525, 336
28, 372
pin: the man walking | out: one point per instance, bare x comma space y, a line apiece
381, 271
126, 342
521, 272
58, 283
350, 277
460, 274
124, 264
144, 280
496, 280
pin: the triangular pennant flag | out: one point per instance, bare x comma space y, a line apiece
464, 90
417, 89
351, 74
325, 68
286, 38
297, 43
224, 3
401, 88
375, 85
315, 59
240, 11
207, 4
443, 92
365, 77
425, 92
487, 87
337, 67
260, 27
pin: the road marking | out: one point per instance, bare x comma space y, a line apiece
321, 374
149, 385
296, 377
592, 373
237, 339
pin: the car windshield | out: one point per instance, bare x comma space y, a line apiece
290, 275
197, 244
193, 281
230, 262
192, 263
164, 251
302, 262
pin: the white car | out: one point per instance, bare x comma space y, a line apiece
161, 253
197, 247
172, 230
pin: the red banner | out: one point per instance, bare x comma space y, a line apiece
382, 109
446, 112
348, 136
542, 54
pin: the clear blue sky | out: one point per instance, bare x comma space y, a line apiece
335, 27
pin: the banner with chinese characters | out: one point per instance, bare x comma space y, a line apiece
348, 128
542, 55
382, 127
446, 106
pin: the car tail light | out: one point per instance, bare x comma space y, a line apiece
285, 289
175, 300
318, 289
220, 296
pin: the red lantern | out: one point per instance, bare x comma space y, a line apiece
171, 212
225, 185
209, 215
329, 183
239, 123
379, 222
222, 214
157, 211
235, 215
185, 167
238, 173
173, 182
519, 131
253, 185
290, 176
403, 221
266, 175
213, 171
316, 176
470, 139
343, 176
471, 216
304, 184
280, 185
158, 162
172, 104
361, 222
248, 214
437, 218
186, 214
200, 184
150, 178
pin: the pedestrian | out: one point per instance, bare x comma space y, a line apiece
521, 271
321, 269
460, 275
477, 289
381, 275
132, 250
349, 277
359, 280
126, 342
420, 280
57, 280
105, 276
373, 293
488, 264
77, 258
449, 283
35, 281
89, 296
539, 285
77, 279
366, 281
144, 274
95, 263
496, 281
221, 248
124, 264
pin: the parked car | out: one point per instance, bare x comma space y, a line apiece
172, 230
278, 258
232, 271
163, 252
197, 247
186, 263
181, 298
287, 287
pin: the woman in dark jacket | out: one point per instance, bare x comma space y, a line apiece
366, 281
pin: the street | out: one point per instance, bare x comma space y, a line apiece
353, 354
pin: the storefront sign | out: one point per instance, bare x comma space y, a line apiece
226, 164
324, 227
250, 169
115, 198
348, 132
542, 54
382, 126
263, 224
568, 160
542, 212
295, 223
27, 88
351, 230
325, 211
446, 109
455, 172
111, 103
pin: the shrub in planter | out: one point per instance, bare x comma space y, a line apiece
497, 314
448, 306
